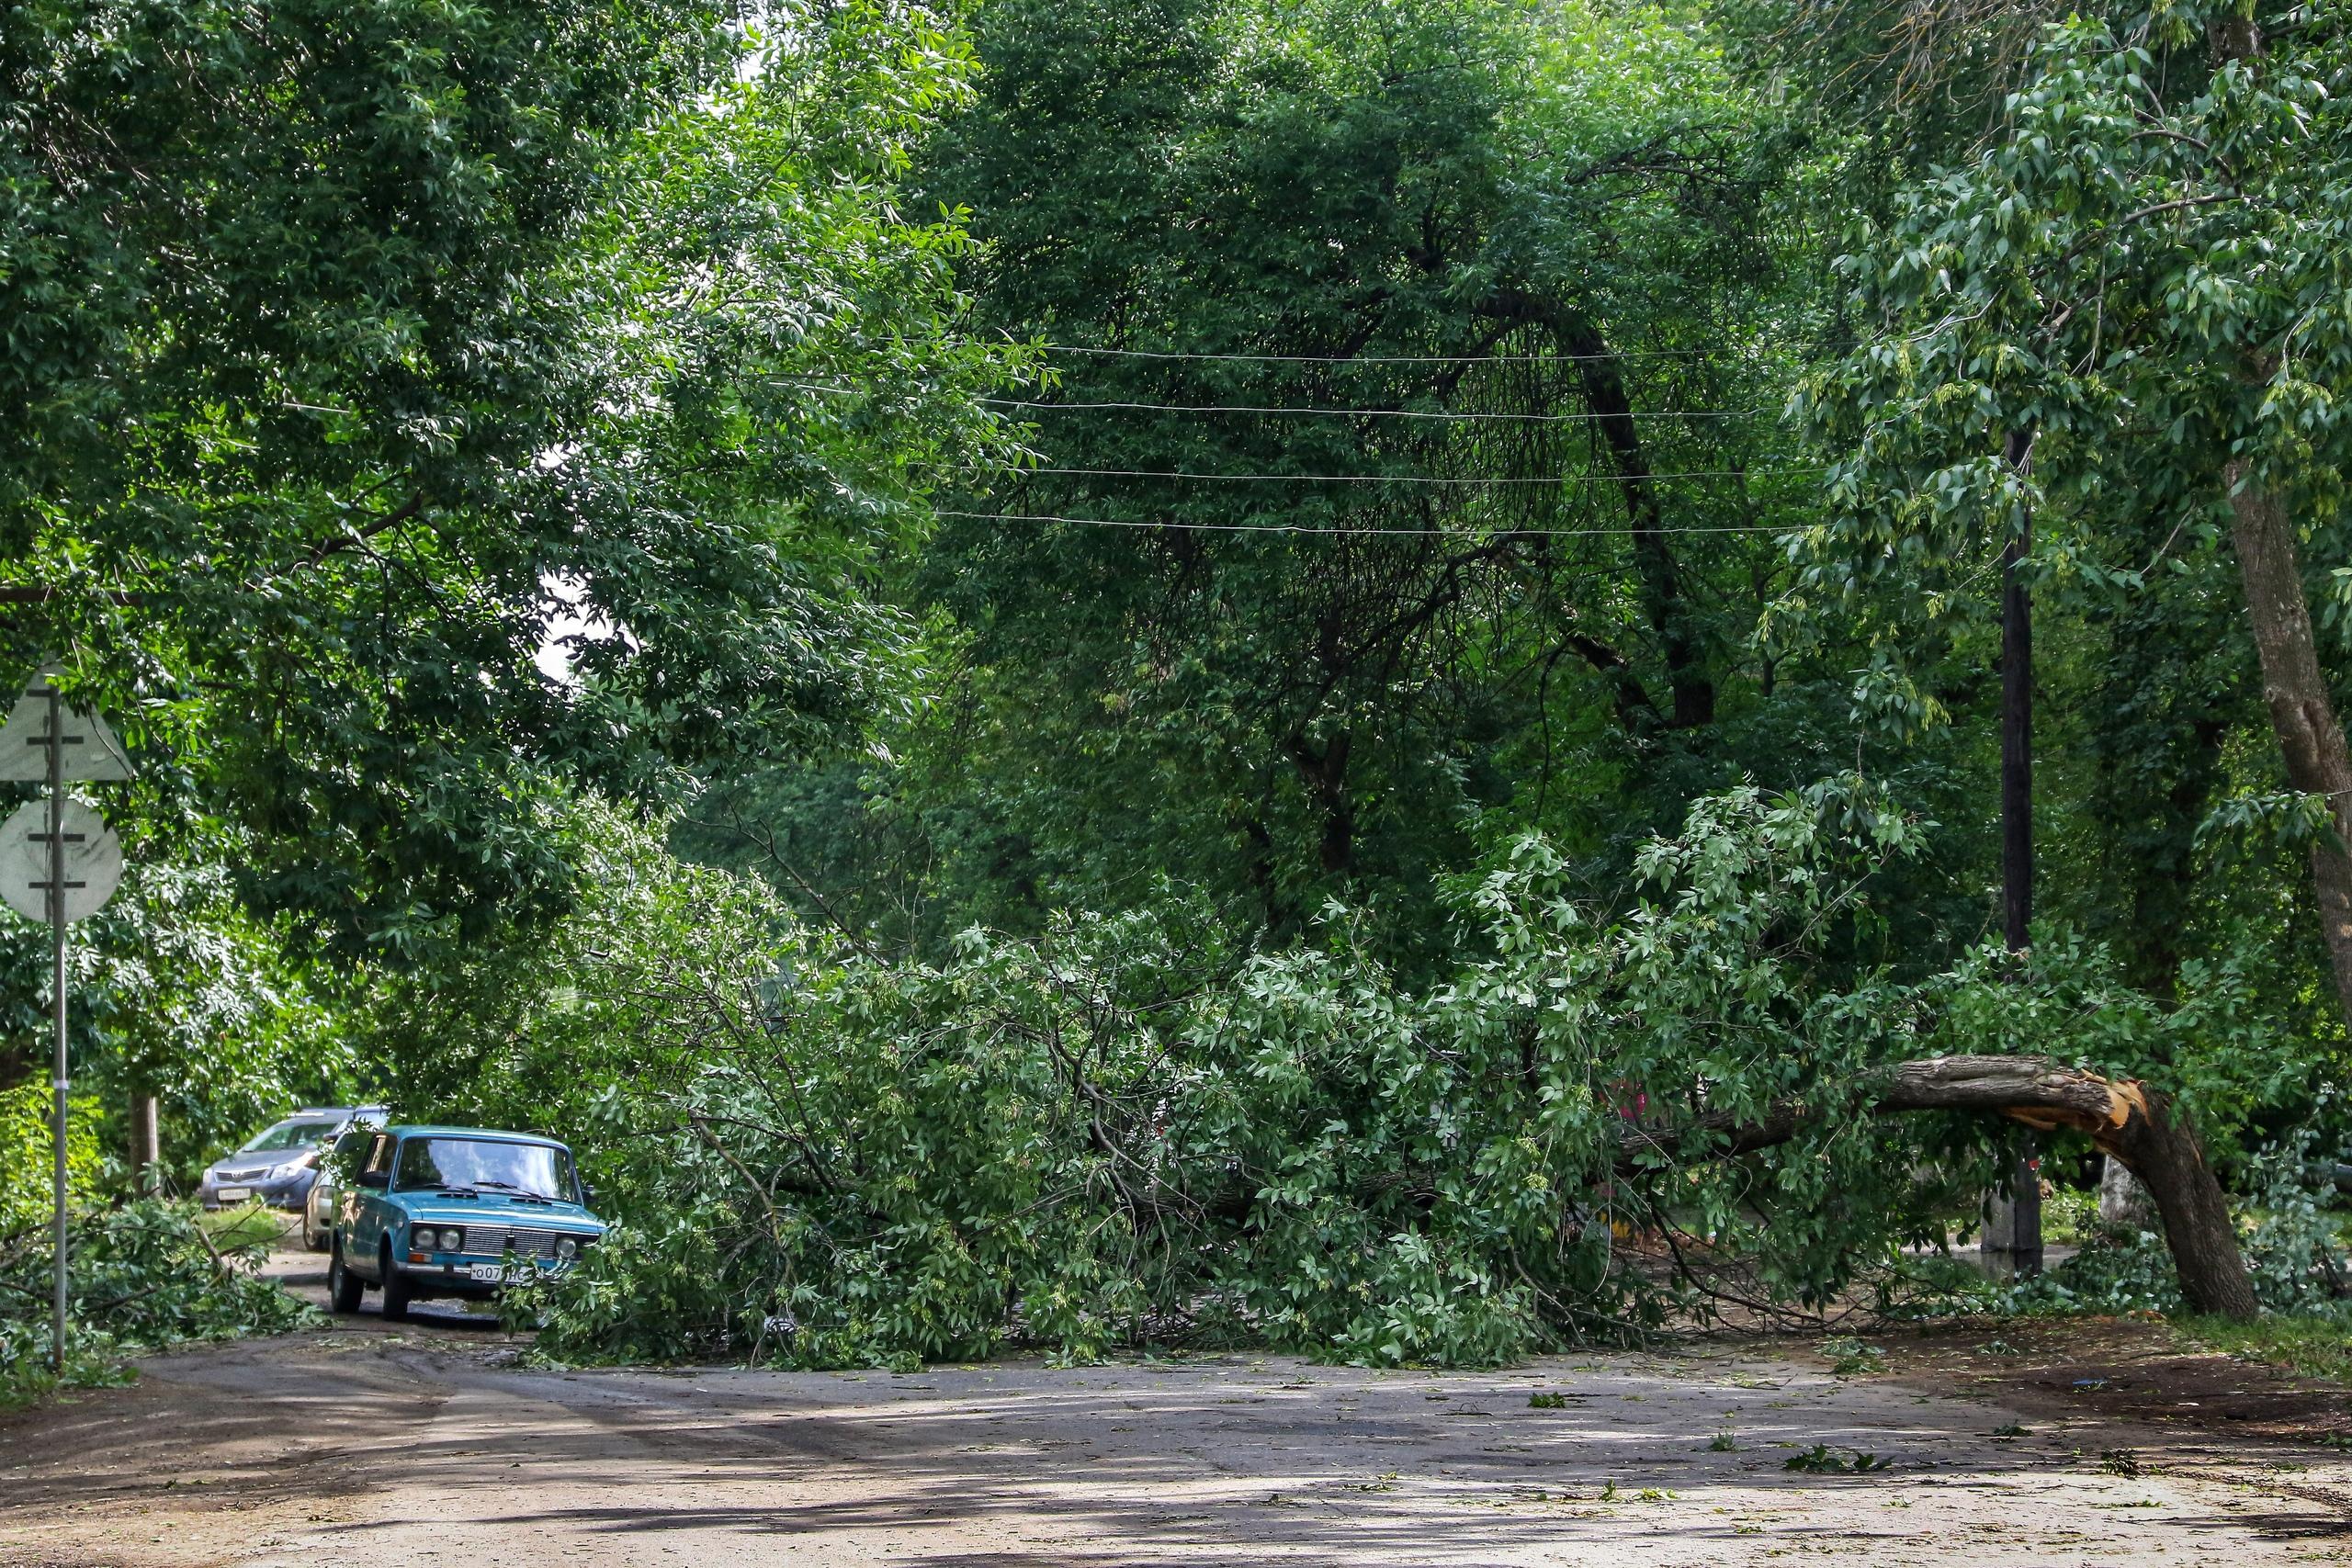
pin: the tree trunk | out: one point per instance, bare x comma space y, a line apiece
2123, 1203
1666, 602
146, 1144
1325, 773
2302, 714
2311, 736
2125, 1119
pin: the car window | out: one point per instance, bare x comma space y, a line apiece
379, 1159
345, 1157
294, 1133
540, 1169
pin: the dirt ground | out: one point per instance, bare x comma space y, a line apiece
370, 1443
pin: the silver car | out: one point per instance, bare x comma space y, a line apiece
278, 1165
318, 1213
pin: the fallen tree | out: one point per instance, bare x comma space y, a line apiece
1117, 1132
2123, 1117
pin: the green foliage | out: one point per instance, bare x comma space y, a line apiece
29, 1161
1822, 1459
2299, 1251
1849, 1356
144, 1277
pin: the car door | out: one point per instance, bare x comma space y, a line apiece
370, 1205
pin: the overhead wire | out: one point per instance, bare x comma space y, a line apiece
1371, 413
1618, 531
1380, 358
1417, 478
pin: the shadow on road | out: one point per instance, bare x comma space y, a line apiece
300, 1272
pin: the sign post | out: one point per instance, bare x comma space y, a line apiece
58, 1077
59, 861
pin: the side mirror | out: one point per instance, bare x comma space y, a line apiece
375, 1179
587, 1194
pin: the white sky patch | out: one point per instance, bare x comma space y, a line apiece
569, 620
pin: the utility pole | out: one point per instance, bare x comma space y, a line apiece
2013, 1223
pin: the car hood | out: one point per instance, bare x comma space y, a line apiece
437, 1210
247, 1167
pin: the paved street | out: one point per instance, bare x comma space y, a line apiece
370, 1445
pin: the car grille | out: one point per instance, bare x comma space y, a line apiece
523, 1241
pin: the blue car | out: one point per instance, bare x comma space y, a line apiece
457, 1211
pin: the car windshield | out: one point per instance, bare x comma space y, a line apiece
538, 1170
294, 1133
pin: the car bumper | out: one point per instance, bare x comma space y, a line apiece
445, 1275
292, 1195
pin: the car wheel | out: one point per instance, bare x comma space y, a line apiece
343, 1286
397, 1295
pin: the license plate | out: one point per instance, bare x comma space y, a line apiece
233, 1194
487, 1274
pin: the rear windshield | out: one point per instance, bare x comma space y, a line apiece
294, 1133
539, 1169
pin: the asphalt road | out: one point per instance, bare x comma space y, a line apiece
372, 1444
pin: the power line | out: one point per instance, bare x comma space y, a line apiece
1369, 413
1307, 528
1319, 412
1415, 479
1381, 358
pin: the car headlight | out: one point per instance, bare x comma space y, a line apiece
567, 1249
289, 1171
430, 1240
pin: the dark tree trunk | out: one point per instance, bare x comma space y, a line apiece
2302, 713
1261, 862
2124, 1118
1665, 603
1325, 773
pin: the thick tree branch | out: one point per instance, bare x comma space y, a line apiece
2123, 1118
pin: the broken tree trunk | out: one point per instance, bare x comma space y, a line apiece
2125, 1119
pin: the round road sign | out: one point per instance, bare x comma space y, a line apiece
93, 860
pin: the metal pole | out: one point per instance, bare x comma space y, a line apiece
57, 995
